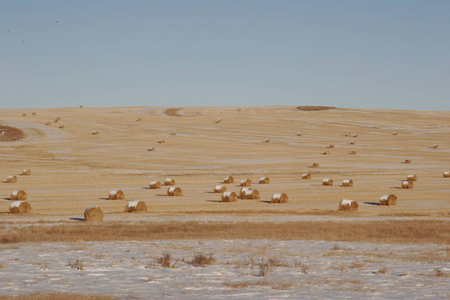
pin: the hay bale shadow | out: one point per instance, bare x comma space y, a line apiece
265, 201
210, 192
78, 219
396, 187
372, 203
9, 199
103, 198
161, 195
214, 201
146, 188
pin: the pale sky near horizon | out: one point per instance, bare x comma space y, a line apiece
360, 54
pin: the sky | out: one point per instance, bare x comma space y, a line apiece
352, 54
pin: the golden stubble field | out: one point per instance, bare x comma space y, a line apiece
71, 168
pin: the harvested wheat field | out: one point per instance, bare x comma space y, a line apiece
245, 249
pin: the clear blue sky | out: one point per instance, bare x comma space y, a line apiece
362, 54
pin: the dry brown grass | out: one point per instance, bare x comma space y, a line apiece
58, 296
165, 260
414, 231
202, 260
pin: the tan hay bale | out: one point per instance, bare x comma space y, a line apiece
315, 165
243, 191
155, 185
327, 181
169, 181
298, 134
353, 152
435, 146
151, 149
352, 142
11, 179
33, 113
95, 132
218, 120
395, 133
24, 115
279, 198
252, 194
56, 120
116, 195
326, 152
411, 178
219, 189
306, 176
48, 124
18, 195
330, 146
407, 185
388, 200
161, 141
138, 120
446, 174
93, 214
174, 191
407, 161
18, 207
62, 127
354, 135
264, 180
267, 141
228, 179
246, 182
26, 172
348, 205
229, 197
173, 133
135, 206
347, 183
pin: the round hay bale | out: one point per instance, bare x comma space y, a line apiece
315, 165
228, 179
26, 172
48, 124
62, 127
19, 207
264, 180
155, 185
327, 181
252, 194
169, 181
407, 161
218, 120
388, 200
11, 179
56, 120
116, 195
407, 185
151, 149
298, 134
243, 191
394, 133
330, 146
95, 132
174, 191
33, 113
246, 182
446, 174
93, 214
348, 205
435, 146
229, 197
279, 198
267, 141
352, 142
161, 141
173, 133
138, 120
326, 152
353, 152
24, 115
306, 176
355, 135
219, 189
18, 195
347, 183
135, 206
411, 178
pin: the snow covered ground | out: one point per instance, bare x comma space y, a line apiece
294, 269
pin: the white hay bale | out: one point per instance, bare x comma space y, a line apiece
18, 195
395, 133
242, 192
446, 174
348, 205
135, 206
229, 197
347, 183
327, 181
18, 207
435, 146
407, 185
298, 134
388, 200
306, 176
219, 189
155, 185
279, 198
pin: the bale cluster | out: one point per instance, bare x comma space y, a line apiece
18, 195
155, 185
388, 200
93, 214
18, 207
228, 179
327, 181
135, 206
246, 182
306, 176
348, 205
347, 183
174, 191
264, 180
169, 181
116, 195
219, 189
279, 198
229, 197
